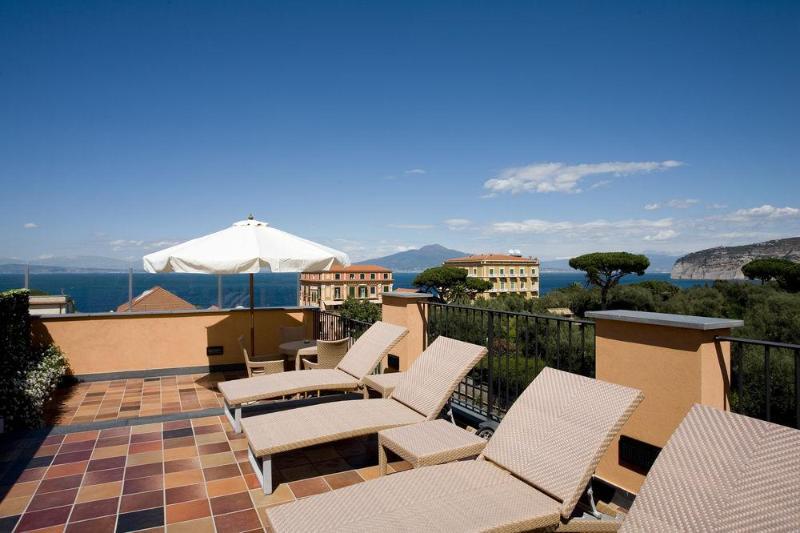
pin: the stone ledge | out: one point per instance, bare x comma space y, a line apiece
664, 319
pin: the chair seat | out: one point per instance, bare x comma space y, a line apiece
465, 496
267, 387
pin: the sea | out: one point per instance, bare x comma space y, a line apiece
99, 293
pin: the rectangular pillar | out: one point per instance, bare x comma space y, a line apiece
407, 309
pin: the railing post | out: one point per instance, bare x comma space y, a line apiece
490, 362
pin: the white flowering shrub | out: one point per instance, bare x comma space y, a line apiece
28, 377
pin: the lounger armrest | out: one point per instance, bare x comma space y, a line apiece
309, 365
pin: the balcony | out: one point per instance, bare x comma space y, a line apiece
140, 442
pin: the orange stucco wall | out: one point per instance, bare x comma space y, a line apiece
674, 367
409, 312
146, 341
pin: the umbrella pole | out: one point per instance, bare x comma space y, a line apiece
252, 320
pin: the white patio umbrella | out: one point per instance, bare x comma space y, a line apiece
247, 247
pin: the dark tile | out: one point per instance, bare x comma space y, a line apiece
240, 521
31, 474
205, 430
38, 462
152, 379
176, 433
112, 441
177, 424
40, 519
146, 437
185, 494
140, 520
151, 469
143, 500
53, 439
104, 524
103, 476
105, 464
72, 457
77, 446
60, 483
230, 503
143, 484
216, 447
85, 511
221, 472
52, 499
7, 523
332, 466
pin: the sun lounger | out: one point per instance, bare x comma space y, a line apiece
530, 475
420, 395
361, 359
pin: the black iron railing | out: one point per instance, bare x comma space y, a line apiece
519, 344
331, 326
765, 380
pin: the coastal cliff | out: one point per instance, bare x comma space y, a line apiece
725, 262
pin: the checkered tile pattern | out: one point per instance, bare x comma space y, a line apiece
185, 475
134, 398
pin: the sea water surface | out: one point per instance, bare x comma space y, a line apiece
97, 293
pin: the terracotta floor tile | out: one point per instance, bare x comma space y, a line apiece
321, 454
32, 474
201, 525
298, 472
66, 469
85, 511
217, 459
185, 494
41, 519
115, 432
141, 447
210, 438
103, 491
13, 506
237, 522
103, 476
182, 512
182, 442
144, 484
140, 520
179, 465
281, 494
399, 466
230, 503
252, 481
105, 524
112, 441
223, 487
343, 479
145, 470
147, 428
142, 500
52, 499
308, 487
80, 446
22, 489
221, 472
110, 451
106, 464
72, 457
60, 483
216, 447
81, 436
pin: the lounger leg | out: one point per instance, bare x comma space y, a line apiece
235, 417
381, 459
263, 469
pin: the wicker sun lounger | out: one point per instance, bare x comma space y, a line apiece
361, 359
531, 474
420, 395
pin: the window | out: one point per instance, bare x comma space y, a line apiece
351, 292
474, 271
386, 276
491, 272
337, 276
386, 288
522, 285
362, 292
513, 285
372, 276
361, 276
522, 271
372, 290
337, 293
511, 271
352, 276
502, 271
502, 285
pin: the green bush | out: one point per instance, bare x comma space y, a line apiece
28, 376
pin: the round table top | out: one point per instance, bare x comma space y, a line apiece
305, 347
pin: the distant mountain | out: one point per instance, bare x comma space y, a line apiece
725, 262
415, 260
658, 263
67, 264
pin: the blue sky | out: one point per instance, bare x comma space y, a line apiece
554, 127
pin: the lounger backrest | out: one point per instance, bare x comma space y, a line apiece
558, 429
372, 346
433, 376
721, 472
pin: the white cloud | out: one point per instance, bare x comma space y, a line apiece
717, 206
537, 226
561, 177
676, 203
457, 224
411, 226
30, 225
46, 256
416, 171
765, 212
600, 184
663, 235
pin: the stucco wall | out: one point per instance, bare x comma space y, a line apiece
101, 343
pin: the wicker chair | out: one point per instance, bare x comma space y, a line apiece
265, 364
329, 353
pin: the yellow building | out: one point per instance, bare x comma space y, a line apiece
509, 274
330, 288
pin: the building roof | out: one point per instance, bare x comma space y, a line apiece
358, 268
402, 289
493, 257
157, 299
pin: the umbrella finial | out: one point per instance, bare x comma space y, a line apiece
250, 217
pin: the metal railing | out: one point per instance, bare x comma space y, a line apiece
519, 344
765, 380
331, 326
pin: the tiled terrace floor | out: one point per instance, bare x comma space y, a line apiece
185, 475
133, 398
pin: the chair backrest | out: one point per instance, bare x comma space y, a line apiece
370, 348
329, 353
292, 333
244, 349
433, 376
721, 472
558, 429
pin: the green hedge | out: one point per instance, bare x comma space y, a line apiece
28, 376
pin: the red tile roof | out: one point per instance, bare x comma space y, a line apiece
359, 268
157, 299
492, 257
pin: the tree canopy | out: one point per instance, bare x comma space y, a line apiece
362, 310
450, 283
606, 269
785, 272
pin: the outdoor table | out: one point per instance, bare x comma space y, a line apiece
299, 349
428, 443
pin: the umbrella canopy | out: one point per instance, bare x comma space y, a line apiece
247, 247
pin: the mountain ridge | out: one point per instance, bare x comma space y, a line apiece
416, 260
725, 262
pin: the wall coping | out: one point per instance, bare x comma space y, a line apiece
143, 314
408, 295
664, 319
